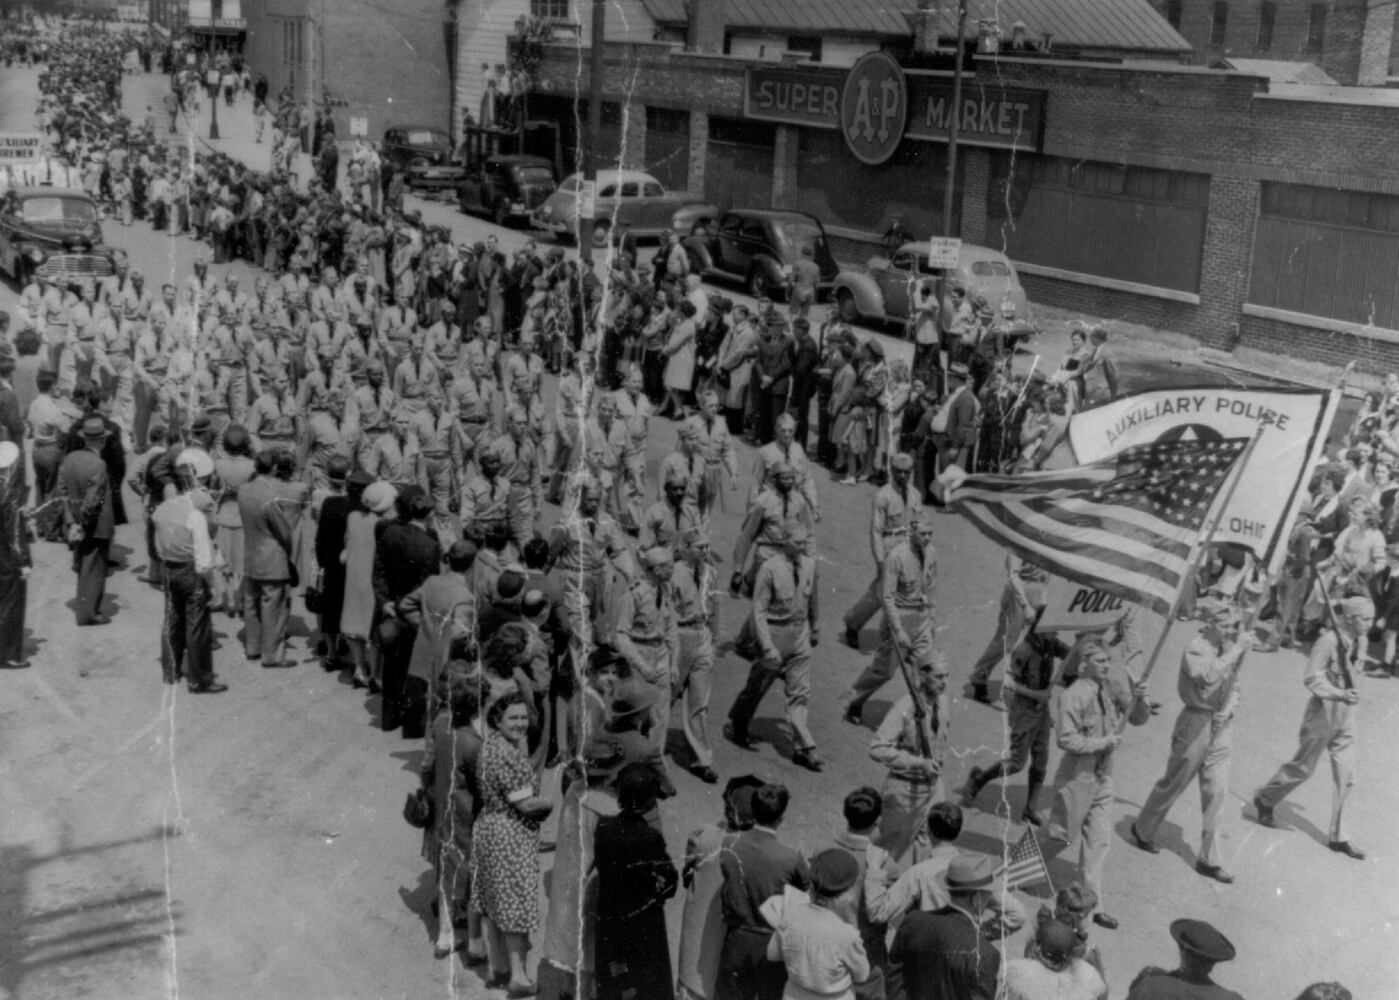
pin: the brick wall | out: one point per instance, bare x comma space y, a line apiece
976, 181
784, 166
1373, 357
699, 139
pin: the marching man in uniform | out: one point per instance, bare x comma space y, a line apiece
1329, 721
784, 626
647, 638
907, 580
1202, 741
1088, 720
692, 590
895, 506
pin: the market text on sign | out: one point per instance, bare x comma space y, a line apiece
980, 117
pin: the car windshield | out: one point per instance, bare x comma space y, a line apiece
75, 210
797, 234
426, 137
533, 175
990, 269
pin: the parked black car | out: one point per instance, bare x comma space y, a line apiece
758, 246
55, 232
506, 188
424, 153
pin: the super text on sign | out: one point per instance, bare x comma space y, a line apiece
864, 103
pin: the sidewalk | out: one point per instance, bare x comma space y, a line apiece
236, 130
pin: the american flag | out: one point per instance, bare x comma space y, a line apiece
1126, 525
1025, 866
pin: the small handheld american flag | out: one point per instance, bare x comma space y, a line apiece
1026, 864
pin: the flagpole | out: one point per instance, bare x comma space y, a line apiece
1221, 504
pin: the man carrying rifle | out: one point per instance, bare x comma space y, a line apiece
912, 742
1201, 743
1329, 721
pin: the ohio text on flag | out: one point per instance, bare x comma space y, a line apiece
1126, 525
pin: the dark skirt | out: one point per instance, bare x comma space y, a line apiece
632, 957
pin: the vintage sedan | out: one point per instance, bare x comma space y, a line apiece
424, 154
622, 196
53, 232
506, 188
884, 289
758, 246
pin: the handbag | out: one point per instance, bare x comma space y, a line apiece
418, 809
315, 594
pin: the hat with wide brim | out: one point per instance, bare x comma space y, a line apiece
379, 498
1200, 938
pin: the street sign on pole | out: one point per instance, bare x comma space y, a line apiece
587, 199
21, 147
944, 252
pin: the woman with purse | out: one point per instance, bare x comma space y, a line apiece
505, 845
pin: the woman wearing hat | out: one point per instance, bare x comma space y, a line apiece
357, 614
232, 469
635, 877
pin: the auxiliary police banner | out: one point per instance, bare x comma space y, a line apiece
1072, 607
1291, 423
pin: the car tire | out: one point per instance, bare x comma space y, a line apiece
501, 215
760, 286
845, 305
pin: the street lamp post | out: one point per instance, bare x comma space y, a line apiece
949, 196
590, 154
214, 114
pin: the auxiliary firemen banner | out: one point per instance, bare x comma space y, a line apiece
1072, 607
1291, 423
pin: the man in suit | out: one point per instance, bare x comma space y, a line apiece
267, 573
89, 518
941, 954
806, 360
756, 868
407, 553
772, 374
443, 608
954, 443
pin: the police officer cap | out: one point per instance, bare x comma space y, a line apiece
337, 468
834, 870
360, 478
1216, 611
197, 460
201, 424
1199, 938
903, 461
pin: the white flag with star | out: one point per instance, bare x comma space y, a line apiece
1291, 425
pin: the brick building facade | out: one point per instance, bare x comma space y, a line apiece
1180, 197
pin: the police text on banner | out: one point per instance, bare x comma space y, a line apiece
1072, 607
1290, 423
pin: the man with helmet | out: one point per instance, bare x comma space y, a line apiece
186, 553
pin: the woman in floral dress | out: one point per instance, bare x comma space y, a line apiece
505, 845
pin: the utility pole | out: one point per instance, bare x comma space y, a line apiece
949, 196
214, 111
590, 151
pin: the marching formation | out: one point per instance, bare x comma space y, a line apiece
442, 452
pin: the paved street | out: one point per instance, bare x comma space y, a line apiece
251, 845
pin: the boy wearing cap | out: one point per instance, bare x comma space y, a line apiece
1202, 741
1201, 949
814, 934
1329, 721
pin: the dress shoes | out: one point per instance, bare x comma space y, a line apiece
1215, 872
95, 620
706, 774
1265, 812
213, 687
1106, 922
1347, 848
852, 638
1143, 844
738, 737
808, 759
278, 664
981, 693
854, 713
972, 788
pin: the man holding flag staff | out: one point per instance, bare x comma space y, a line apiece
1329, 721
1202, 741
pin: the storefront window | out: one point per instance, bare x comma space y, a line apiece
1325, 252
844, 193
1106, 219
